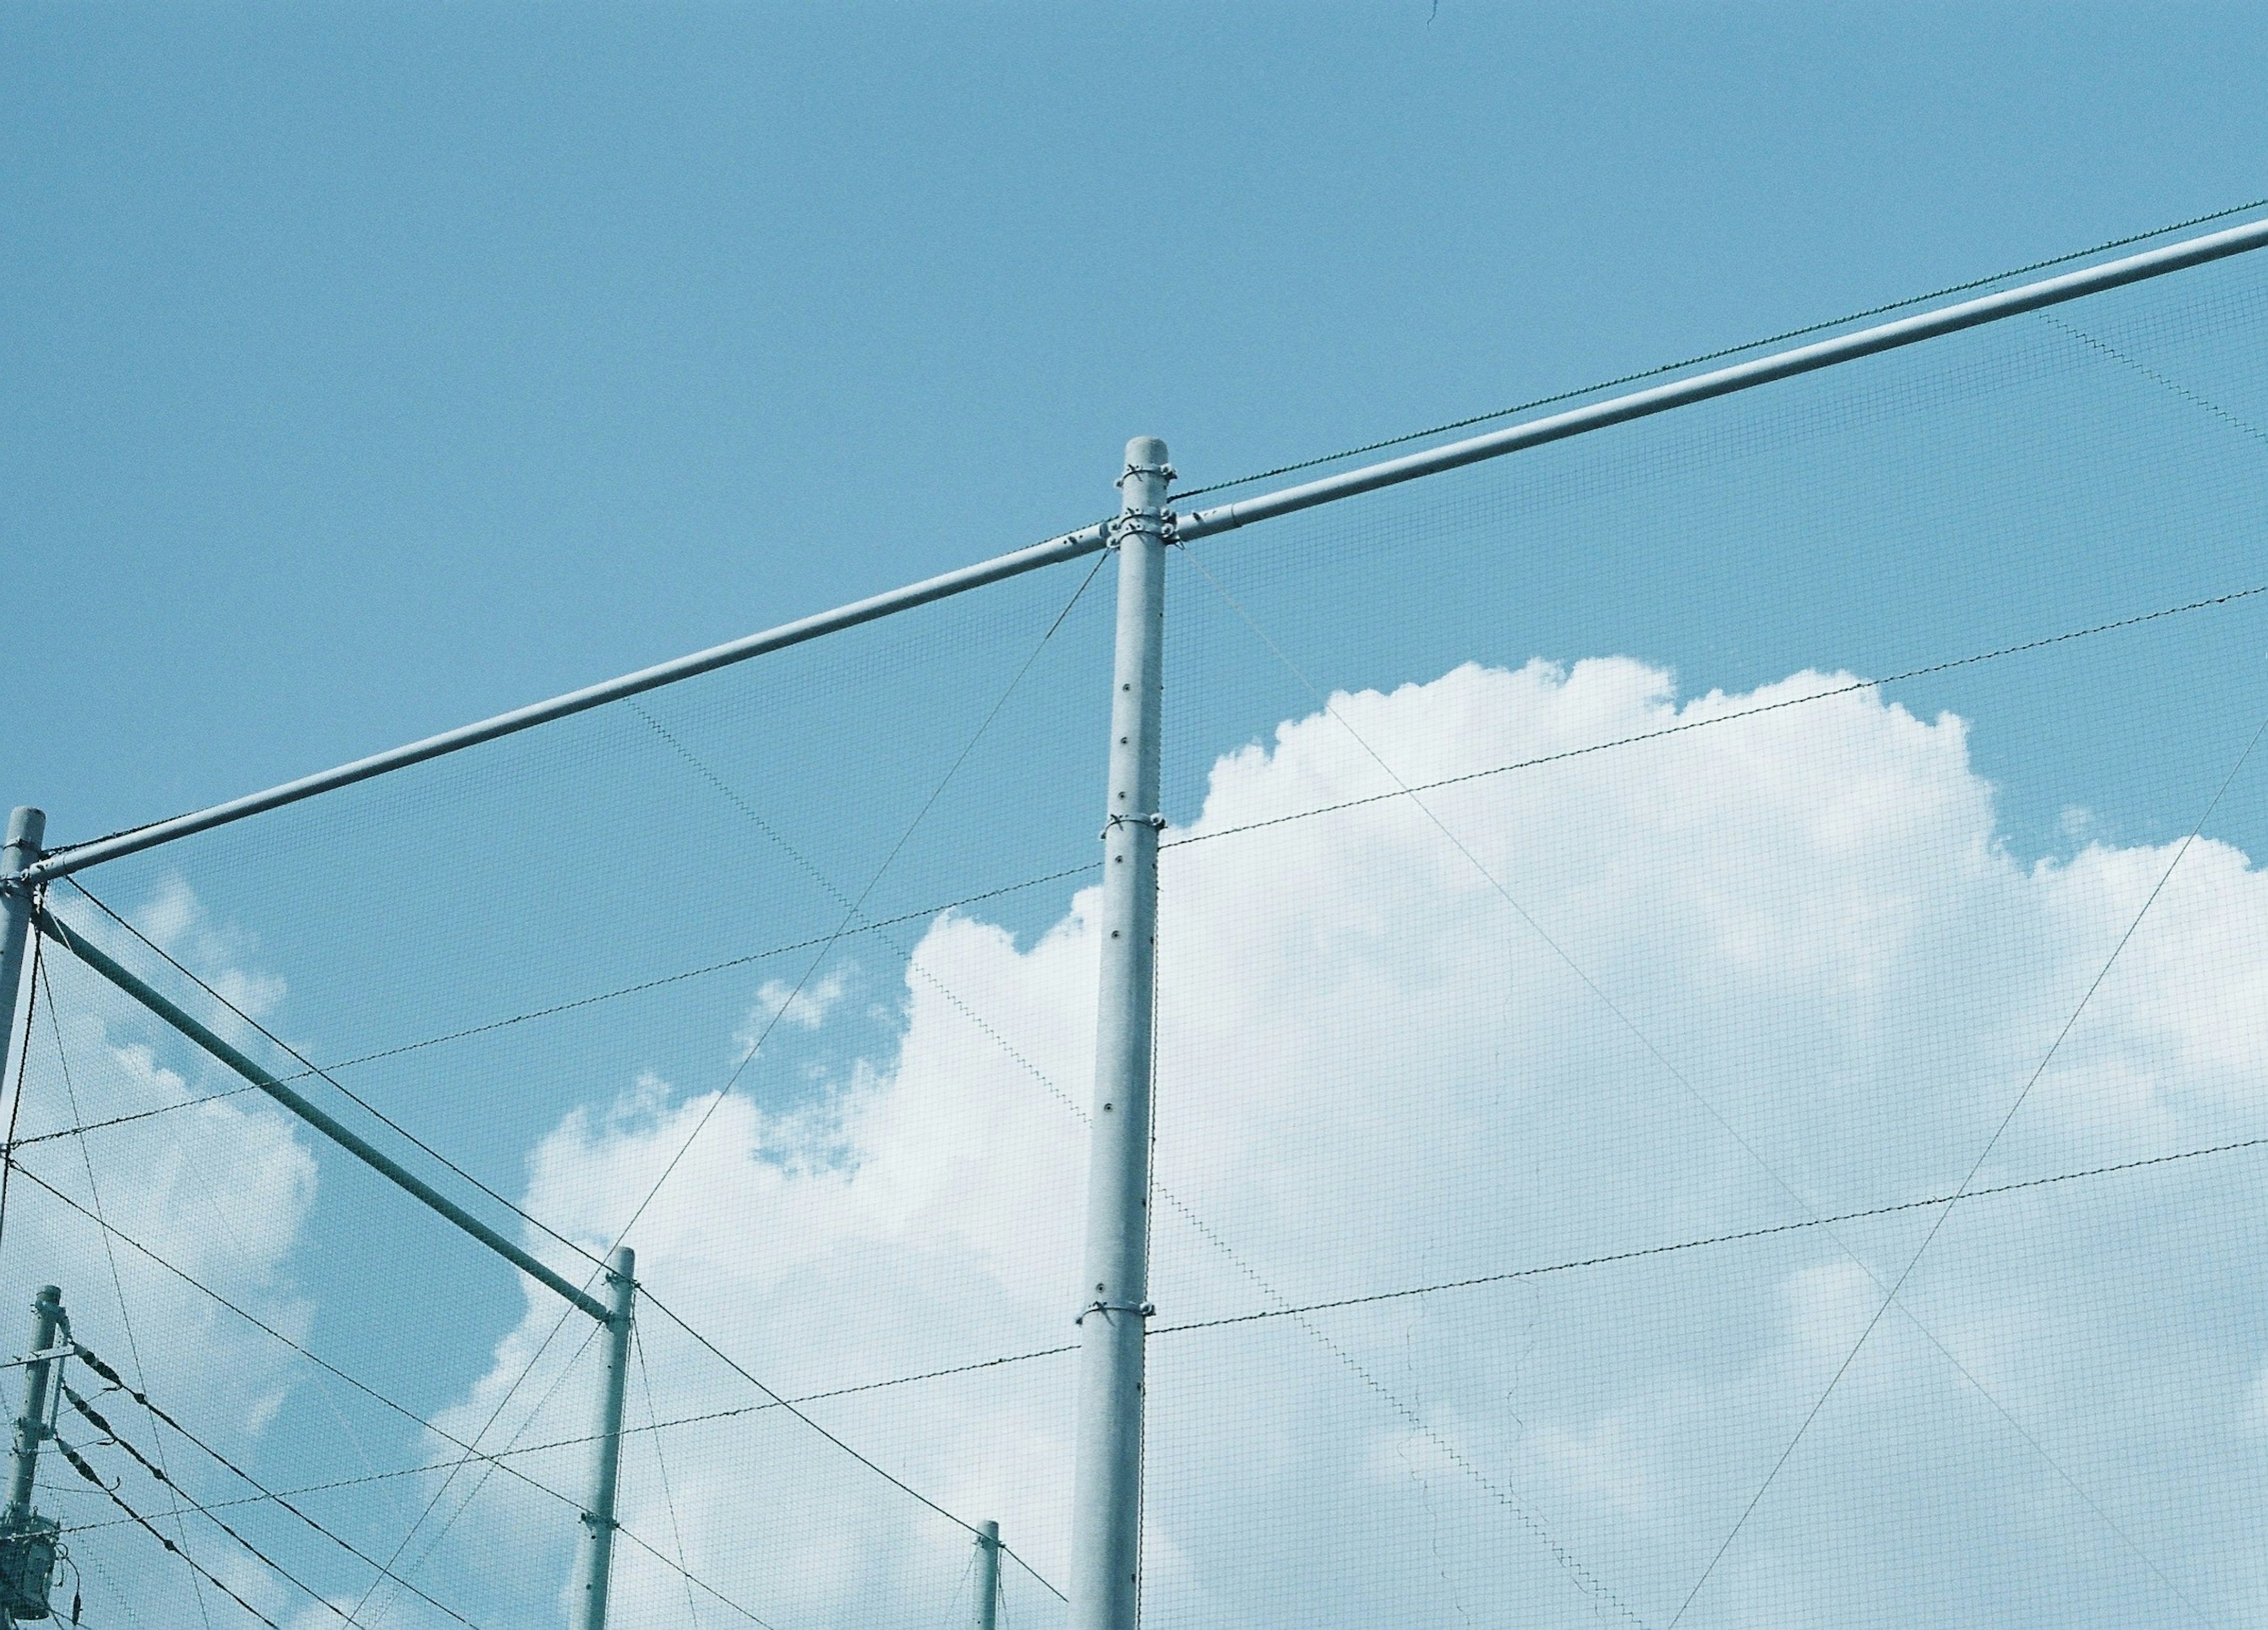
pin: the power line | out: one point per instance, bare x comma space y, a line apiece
79, 1465
266, 1494
96, 1419
359, 1385
1717, 356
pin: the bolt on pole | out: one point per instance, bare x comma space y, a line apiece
988, 1576
27, 828
1107, 1484
594, 1559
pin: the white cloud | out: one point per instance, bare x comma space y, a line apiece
805, 1006
1805, 956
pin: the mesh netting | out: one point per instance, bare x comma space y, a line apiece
1628, 909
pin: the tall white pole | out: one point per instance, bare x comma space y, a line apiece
988, 1576
26, 829
595, 1559
1107, 1487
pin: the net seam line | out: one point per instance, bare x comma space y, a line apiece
2241, 426
118, 1288
1983, 1154
853, 909
1684, 726
556, 1008
1802, 1204
1478, 1281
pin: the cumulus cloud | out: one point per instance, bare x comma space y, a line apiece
1739, 977
219, 1189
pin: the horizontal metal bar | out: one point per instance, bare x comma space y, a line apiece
94, 958
1724, 381
1204, 523
1070, 546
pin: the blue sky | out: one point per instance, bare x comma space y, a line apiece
372, 371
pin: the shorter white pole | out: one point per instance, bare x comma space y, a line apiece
595, 1562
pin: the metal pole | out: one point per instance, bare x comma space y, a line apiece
595, 1561
32, 1425
988, 1576
26, 828
1107, 1487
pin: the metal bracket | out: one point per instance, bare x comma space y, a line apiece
1155, 822
1132, 470
1161, 524
1145, 1310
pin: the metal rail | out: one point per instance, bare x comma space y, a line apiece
79, 945
1204, 523
1724, 381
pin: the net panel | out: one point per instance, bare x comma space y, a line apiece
1694, 965
1613, 899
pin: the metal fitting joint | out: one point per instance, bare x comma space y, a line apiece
1155, 822
1144, 1310
1161, 524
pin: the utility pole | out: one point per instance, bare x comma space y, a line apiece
988, 1576
1106, 1487
27, 828
594, 1563
27, 1540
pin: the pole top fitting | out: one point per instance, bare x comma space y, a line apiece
27, 828
1146, 455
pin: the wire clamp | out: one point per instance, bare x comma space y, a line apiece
1155, 822
1161, 524
1166, 470
1144, 1310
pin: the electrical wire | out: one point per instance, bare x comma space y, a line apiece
102, 1424
265, 1328
78, 1464
266, 1494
